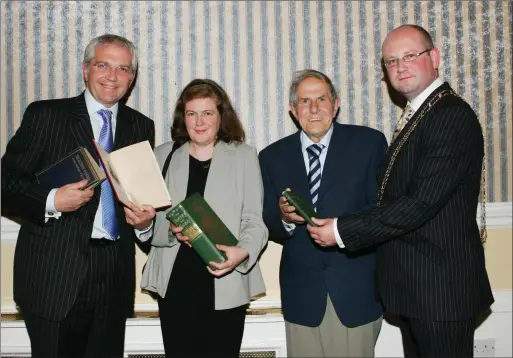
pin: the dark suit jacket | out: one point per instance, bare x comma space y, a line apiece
50, 260
430, 262
308, 272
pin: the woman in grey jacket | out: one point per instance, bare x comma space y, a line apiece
202, 311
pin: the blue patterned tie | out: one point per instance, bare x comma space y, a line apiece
110, 220
314, 175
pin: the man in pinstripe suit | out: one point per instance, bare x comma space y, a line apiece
430, 259
74, 262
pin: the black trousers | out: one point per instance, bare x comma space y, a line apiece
438, 338
191, 327
95, 326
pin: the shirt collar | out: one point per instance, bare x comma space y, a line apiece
94, 106
306, 142
419, 100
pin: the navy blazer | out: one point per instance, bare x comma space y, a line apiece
307, 271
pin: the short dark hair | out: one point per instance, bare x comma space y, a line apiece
230, 129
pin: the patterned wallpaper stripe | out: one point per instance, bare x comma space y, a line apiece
252, 49
7, 20
279, 91
502, 105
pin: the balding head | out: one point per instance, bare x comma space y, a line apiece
408, 28
411, 59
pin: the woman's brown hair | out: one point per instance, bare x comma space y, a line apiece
230, 128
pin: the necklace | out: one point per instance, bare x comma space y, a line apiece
205, 164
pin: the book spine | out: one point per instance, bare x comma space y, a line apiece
85, 172
198, 239
300, 210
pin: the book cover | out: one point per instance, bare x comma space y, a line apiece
203, 228
303, 209
134, 175
74, 167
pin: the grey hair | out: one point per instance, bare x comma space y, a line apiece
90, 50
300, 76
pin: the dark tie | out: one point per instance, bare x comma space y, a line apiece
109, 218
314, 175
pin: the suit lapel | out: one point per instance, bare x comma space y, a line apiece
295, 167
415, 117
220, 169
179, 172
81, 129
82, 132
332, 164
124, 128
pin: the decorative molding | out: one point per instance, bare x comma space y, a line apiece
267, 332
9, 231
498, 216
503, 300
262, 305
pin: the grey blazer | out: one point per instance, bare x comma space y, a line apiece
234, 190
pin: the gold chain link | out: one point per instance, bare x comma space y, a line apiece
482, 232
403, 140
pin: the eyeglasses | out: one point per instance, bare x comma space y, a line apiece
104, 67
392, 62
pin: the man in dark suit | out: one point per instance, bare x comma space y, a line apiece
328, 299
74, 265
431, 266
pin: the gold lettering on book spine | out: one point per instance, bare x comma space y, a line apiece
192, 232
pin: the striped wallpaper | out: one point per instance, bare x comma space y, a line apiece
251, 48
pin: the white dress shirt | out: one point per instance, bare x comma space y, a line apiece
305, 143
415, 104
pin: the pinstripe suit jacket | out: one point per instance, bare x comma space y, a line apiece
430, 260
50, 260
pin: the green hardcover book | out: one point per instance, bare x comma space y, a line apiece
203, 228
304, 209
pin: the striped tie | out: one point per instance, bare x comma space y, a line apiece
109, 218
314, 175
405, 117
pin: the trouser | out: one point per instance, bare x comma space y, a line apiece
331, 338
438, 338
191, 327
95, 325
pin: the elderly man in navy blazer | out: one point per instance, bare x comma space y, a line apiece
328, 296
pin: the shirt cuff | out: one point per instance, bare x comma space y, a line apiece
144, 234
50, 211
337, 235
290, 227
